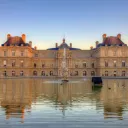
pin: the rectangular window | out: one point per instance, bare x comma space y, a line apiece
84, 64
21, 63
13, 53
5, 53
5, 63
22, 53
13, 63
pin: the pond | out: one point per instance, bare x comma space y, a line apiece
46, 103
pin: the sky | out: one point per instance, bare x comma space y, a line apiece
46, 22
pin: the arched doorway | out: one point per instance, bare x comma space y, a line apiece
34, 73
92, 73
84, 73
13, 73
43, 73
51, 73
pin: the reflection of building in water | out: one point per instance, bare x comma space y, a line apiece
61, 95
15, 96
113, 94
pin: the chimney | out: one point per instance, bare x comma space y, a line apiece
24, 37
104, 37
30, 43
119, 36
8, 36
97, 42
56, 45
70, 45
35, 48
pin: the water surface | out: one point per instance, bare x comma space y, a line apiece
38, 103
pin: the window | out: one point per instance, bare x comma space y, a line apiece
114, 73
34, 65
76, 73
22, 53
123, 73
13, 73
5, 73
13, 63
123, 63
13, 53
34, 73
43, 65
92, 65
5, 53
21, 63
114, 53
51, 73
106, 64
43, 73
84, 73
106, 73
114, 63
21, 73
92, 73
76, 66
84, 64
5, 63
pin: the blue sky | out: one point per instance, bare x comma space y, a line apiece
45, 22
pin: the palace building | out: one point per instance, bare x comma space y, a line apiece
18, 58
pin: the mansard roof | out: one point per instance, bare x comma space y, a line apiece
15, 41
111, 40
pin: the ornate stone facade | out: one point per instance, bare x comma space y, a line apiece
18, 58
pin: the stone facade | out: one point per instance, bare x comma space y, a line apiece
18, 58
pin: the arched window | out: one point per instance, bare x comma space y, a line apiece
5, 73
21, 73
123, 63
34, 73
123, 73
51, 73
114, 73
106, 73
34, 65
84, 73
43, 73
76, 73
13, 73
92, 73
